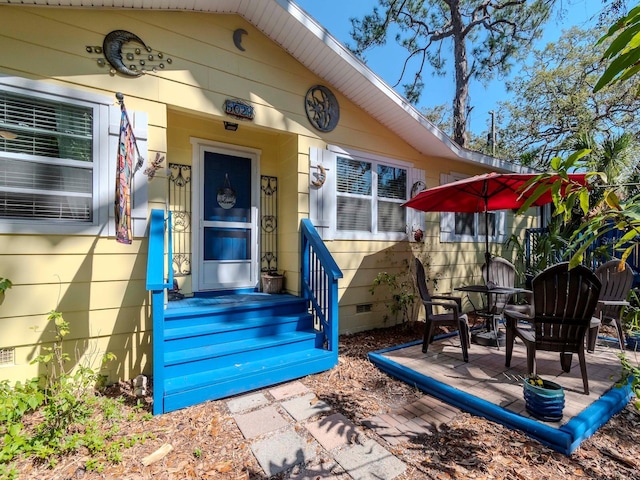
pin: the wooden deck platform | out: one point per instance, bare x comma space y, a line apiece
487, 388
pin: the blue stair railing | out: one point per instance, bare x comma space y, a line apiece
319, 279
159, 230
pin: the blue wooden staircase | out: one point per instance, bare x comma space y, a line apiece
211, 347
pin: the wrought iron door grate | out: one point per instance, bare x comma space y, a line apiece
180, 207
268, 224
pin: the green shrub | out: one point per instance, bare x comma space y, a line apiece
72, 415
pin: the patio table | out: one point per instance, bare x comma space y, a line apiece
491, 336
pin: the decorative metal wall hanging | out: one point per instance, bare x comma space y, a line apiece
237, 38
322, 108
180, 207
319, 177
226, 195
239, 109
154, 166
268, 224
417, 187
131, 61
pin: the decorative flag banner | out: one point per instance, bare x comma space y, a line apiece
124, 176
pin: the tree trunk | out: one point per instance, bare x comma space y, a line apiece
461, 75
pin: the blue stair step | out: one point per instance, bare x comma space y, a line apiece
217, 347
188, 390
237, 328
242, 307
207, 357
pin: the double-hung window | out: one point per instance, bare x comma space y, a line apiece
47, 161
362, 196
474, 224
57, 160
370, 196
470, 227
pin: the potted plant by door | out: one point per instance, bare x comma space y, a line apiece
272, 282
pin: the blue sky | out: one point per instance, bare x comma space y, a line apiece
386, 61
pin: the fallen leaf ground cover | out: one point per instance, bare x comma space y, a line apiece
203, 441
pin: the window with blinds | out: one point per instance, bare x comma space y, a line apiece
370, 196
471, 227
470, 223
46, 159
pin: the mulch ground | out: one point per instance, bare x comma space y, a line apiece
206, 443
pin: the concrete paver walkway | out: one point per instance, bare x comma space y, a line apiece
290, 429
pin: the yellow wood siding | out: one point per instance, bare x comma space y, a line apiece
98, 284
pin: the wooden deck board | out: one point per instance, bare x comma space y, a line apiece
485, 387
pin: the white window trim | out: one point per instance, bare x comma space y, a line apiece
447, 220
105, 145
366, 156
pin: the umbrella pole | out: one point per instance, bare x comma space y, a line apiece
487, 254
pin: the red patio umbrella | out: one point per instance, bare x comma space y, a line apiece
487, 192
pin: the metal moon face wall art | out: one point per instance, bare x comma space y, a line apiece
322, 108
129, 60
319, 177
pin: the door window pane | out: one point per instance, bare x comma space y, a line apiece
227, 243
227, 195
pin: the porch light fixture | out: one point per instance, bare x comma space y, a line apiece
230, 126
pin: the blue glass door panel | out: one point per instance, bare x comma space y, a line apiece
227, 196
227, 243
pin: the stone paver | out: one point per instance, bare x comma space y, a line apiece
260, 421
369, 461
282, 451
305, 406
289, 390
247, 402
334, 431
329, 447
390, 434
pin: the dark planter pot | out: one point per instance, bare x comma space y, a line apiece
544, 402
633, 341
